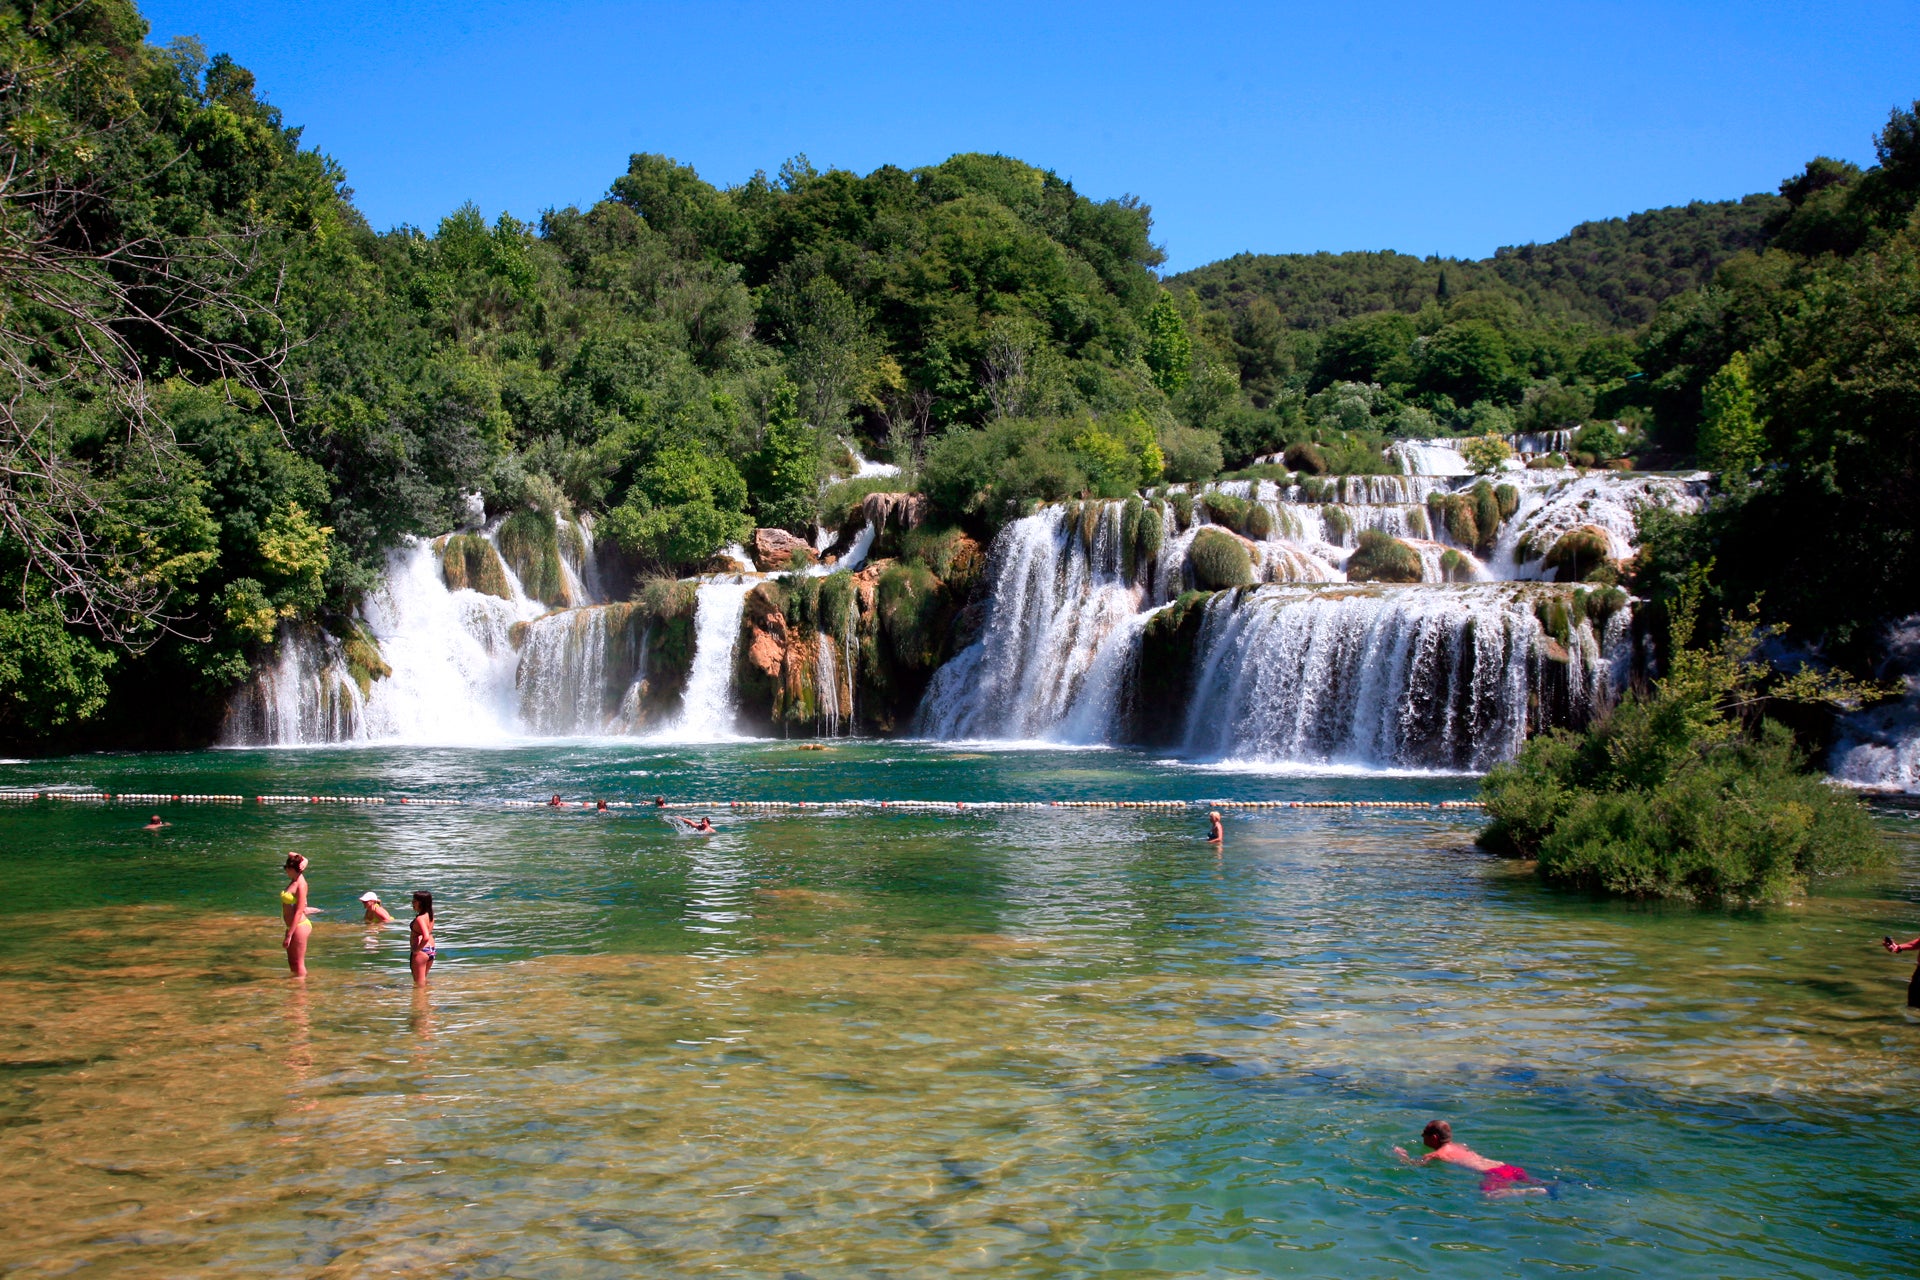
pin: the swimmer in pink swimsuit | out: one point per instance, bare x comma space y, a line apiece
1496, 1179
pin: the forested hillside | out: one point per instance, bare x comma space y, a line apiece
229, 396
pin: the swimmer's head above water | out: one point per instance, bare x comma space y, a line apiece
1437, 1134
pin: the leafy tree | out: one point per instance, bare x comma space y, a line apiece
1168, 351
682, 508
783, 475
1731, 438
1486, 454
1687, 791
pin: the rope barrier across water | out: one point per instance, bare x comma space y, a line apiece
740, 806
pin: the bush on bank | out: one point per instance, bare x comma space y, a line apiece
1685, 792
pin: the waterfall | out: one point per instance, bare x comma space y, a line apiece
1408, 677
579, 672
1429, 458
1056, 603
707, 708
826, 687
305, 695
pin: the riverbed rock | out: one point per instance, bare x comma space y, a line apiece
773, 550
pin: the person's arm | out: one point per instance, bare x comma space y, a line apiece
1402, 1153
1902, 946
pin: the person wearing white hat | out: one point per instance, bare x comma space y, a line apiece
376, 914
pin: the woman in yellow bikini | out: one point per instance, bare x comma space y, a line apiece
294, 910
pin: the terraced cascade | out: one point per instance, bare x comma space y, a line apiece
1391, 621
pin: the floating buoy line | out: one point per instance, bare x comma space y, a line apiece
739, 806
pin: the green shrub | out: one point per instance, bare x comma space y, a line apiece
468, 562
1508, 498
948, 553
1338, 526
909, 601
1225, 509
530, 544
1677, 794
1417, 524
1455, 567
1219, 560
1305, 456
1382, 558
1182, 503
1578, 553
1455, 513
1191, 454
1258, 523
1599, 441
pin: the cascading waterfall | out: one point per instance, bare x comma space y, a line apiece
1408, 678
305, 695
1056, 603
1304, 668
708, 711
579, 670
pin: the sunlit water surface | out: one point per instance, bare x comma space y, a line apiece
1024, 1044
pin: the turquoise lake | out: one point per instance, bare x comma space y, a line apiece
1032, 1043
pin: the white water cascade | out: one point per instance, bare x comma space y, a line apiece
1056, 605
1450, 673
469, 665
1412, 677
708, 710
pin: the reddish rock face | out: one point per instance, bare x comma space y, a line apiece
773, 549
899, 510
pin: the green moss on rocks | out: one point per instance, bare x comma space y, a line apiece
1305, 456
1219, 560
1259, 522
1578, 554
530, 543
1225, 509
1182, 510
1455, 567
1509, 500
468, 562
1381, 558
1338, 526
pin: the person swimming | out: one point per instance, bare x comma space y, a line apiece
554, 803
375, 913
420, 948
294, 912
601, 807
1913, 983
704, 826
1216, 833
1496, 1179
154, 823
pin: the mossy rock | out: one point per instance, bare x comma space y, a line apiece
1417, 525
1338, 525
362, 654
1556, 619
1509, 499
529, 541
1219, 560
1579, 553
1383, 558
1131, 513
1225, 509
1305, 456
468, 562
1258, 524
1182, 510
1486, 517
1150, 538
1455, 567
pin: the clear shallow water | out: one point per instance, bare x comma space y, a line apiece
1028, 1044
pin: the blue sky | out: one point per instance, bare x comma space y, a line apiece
1274, 128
